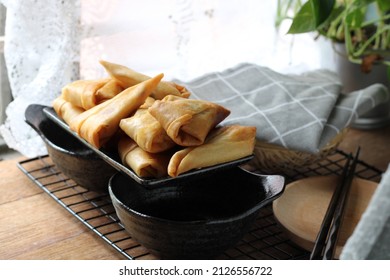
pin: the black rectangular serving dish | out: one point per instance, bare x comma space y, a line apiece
113, 159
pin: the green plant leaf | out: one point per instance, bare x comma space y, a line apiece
321, 10
311, 15
355, 18
384, 5
330, 27
303, 21
359, 4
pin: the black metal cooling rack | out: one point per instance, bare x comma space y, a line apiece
266, 240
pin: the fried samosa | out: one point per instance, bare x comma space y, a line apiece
144, 164
98, 124
128, 77
108, 91
187, 121
224, 144
82, 93
66, 110
146, 131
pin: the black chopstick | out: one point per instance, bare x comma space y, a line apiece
327, 221
325, 244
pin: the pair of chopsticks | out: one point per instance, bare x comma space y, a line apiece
325, 244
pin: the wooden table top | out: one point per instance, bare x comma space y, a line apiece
34, 226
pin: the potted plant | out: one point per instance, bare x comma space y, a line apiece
360, 34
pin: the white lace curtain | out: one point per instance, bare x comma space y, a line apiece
50, 43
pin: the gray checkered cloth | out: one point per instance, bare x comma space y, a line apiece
300, 112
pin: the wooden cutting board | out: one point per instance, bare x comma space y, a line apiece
302, 207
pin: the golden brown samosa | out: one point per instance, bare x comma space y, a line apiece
108, 91
144, 164
82, 93
187, 121
146, 131
98, 124
66, 110
224, 144
128, 77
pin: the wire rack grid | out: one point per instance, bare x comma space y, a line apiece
266, 240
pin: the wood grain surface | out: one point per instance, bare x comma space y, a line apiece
312, 195
34, 226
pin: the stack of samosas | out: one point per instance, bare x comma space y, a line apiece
157, 129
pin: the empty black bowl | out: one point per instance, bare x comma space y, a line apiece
199, 219
71, 157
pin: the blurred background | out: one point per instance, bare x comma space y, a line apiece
49, 43
185, 38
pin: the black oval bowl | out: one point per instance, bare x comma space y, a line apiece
195, 220
71, 157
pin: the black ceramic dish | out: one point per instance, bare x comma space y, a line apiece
114, 161
198, 220
70, 156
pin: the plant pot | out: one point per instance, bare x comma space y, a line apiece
354, 79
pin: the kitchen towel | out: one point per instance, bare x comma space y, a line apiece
299, 112
371, 237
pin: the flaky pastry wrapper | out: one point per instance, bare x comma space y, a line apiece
128, 77
88, 93
187, 121
66, 110
146, 131
98, 124
144, 164
108, 91
224, 144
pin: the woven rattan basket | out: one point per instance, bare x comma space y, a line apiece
271, 158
